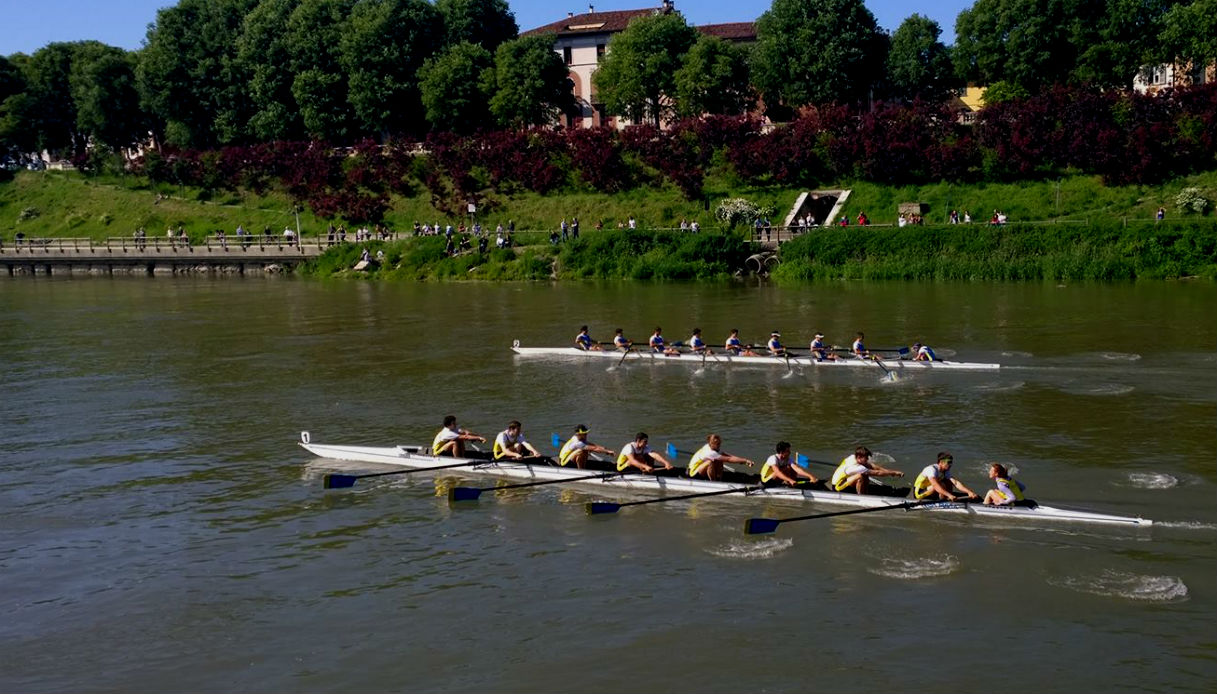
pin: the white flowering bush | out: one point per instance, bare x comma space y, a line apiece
1192, 200
733, 211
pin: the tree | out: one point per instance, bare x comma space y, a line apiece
531, 85
453, 86
49, 112
637, 77
488, 23
817, 51
713, 79
1189, 33
383, 45
264, 53
14, 107
918, 63
189, 75
1117, 42
102, 85
314, 33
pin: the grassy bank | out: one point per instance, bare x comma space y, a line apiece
1108, 251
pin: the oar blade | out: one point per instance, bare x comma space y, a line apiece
336, 481
671, 451
802, 460
760, 526
595, 508
555, 441
457, 494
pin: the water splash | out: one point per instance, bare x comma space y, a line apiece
1186, 525
1120, 356
1119, 584
1152, 480
757, 549
915, 568
1000, 387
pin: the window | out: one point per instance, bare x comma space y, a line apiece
566, 54
599, 52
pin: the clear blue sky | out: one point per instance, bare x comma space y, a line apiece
27, 25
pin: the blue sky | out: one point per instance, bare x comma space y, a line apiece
27, 25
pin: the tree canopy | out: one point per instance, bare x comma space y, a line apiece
488, 23
713, 78
918, 64
454, 86
531, 85
637, 77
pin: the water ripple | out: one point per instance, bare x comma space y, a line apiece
758, 549
1118, 584
1152, 480
915, 568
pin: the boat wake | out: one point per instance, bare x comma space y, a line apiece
1152, 480
917, 568
1119, 356
1186, 525
760, 549
1102, 389
1020, 355
1118, 584
999, 387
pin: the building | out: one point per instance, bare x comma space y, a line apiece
582, 41
1154, 78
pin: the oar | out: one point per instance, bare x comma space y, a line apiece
627, 353
598, 507
337, 481
758, 526
472, 493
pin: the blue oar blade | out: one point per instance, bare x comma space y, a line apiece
903, 351
671, 450
760, 526
803, 460
337, 481
595, 508
555, 441
463, 494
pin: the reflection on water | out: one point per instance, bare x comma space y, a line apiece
160, 529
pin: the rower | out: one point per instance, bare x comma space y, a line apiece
510, 443
936, 480
585, 342
859, 348
856, 470
697, 344
709, 459
821, 351
735, 347
639, 455
1009, 491
657, 344
578, 448
779, 466
451, 439
775, 345
619, 340
923, 353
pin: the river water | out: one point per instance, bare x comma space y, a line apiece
160, 529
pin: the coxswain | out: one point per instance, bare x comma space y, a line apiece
737, 348
697, 344
451, 439
510, 443
1009, 491
821, 351
709, 459
775, 345
639, 455
657, 344
578, 448
935, 481
856, 470
585, 342
779, 466
619, 340
923, 353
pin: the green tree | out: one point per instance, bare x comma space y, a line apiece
531, 85
637, 77
383, 45
487, 23
817, 51
714, 79
454, 87
49, 112
102, 85
189, 75
319, 83
15, 136
918, 64
265, 55
1189, 33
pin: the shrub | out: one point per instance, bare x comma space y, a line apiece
28, 213
1191, 200
733, 211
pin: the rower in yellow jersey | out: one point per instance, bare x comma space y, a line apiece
639, 455
855, 472
578, 448
451, 439
779, 466
709, 459
936, 480
510, 443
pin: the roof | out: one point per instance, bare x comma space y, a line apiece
592, 23
734, 31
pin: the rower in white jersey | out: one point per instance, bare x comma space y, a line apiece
578, 449
451, 439
923, 353
510, 443
859, 348
935, 481
585, 342
855, 472
697, 344
709, 459
821, 351
735, 347
658, 345
620, 341
779, 466
775, 344
638, 454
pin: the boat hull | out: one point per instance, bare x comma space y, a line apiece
416, 457
645, 355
